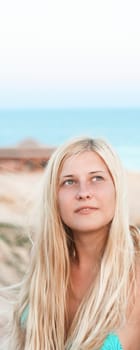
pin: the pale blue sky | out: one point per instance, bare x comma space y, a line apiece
59, 53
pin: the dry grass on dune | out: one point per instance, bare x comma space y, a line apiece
16, 199
14, 253
17, 193
14, 259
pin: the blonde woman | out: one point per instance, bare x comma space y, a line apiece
82, 289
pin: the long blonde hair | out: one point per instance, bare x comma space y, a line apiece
46, 282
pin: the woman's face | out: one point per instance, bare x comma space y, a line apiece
86, 195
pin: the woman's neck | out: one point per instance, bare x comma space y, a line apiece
85, 266
90, 248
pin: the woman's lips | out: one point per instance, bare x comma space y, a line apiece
85, 210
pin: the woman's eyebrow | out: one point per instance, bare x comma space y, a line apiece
96, 171
68, 175
90, 172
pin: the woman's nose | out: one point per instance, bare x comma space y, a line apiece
84, 192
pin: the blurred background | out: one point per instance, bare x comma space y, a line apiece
67, 68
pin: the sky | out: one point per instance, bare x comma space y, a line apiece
78, 53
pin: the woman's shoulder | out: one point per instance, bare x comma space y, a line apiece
112, 342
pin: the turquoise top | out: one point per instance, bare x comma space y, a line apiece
111, 342
24, 316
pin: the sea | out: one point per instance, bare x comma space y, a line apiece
52, 127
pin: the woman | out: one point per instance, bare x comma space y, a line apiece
83, 285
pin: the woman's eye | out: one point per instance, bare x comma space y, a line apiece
68, 182
97, 178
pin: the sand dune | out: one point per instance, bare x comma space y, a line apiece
134, 197
17, 191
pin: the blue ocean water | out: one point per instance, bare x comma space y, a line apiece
51, 127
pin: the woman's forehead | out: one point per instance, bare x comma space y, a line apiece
88, 160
